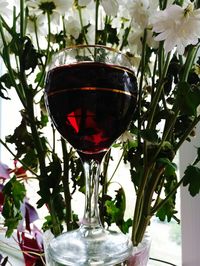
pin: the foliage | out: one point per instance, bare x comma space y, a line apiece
167, 113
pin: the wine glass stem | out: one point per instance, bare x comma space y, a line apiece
91, 214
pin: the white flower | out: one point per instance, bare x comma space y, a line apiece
62, 6
141, 10
7, 37
110, 7
56, 9
177, 26
51, 6
135, 40
42, 29
5, 11
126, 136
83, 2
73, 27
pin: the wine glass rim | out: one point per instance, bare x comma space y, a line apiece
77, 46
110, 49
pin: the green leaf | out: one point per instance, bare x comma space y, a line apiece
6, 79
54, 170
198, 157
29, 56
170, 167
135, 177
44, 119
188, 98
14, 193
108, 34
150, 135
116, 208
30, 159
22, 139
5, 83
116, 145
198, 153
126, 225
167, 211
58, 203
2, 92
111, 34
112, 210
18, 193
191, 179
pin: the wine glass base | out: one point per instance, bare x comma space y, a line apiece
89, 247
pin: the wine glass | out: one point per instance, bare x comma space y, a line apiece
91, 95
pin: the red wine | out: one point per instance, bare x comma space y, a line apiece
91, 104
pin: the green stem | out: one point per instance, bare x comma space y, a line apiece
144, 222
82, 26
166, 133
160, 189
22, 17
36, 37
154, 75
151, 188
96, 20
158, 92
65, 181
189, 62
139, 203
125, 37
117, 166
146, 214
14, 156
104, 186
172, 192
56, 225
187, 133
47, 53
6, 58
163, 4
142, 72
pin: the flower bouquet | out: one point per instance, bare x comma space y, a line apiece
161, 39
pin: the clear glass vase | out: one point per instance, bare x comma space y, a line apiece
140, 255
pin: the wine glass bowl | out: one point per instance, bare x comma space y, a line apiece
91, 95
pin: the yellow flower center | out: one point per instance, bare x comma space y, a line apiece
188, 10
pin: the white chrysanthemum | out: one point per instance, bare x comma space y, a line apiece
122, 14
62, 6
141, 10
177, 26
7, 37
73, 27
110, 7
126, 136
5, 11
83, 2
41, 25
57, 6
135, 40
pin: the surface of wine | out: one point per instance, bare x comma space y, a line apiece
91, 104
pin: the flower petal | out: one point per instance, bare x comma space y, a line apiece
110, 7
